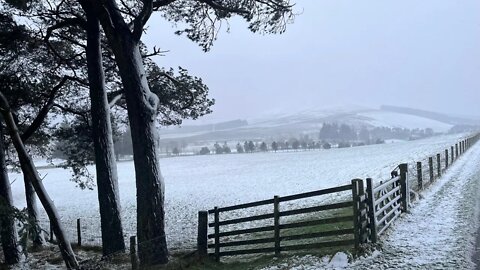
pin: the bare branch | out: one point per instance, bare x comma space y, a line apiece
156, 52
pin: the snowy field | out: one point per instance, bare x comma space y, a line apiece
438, 233
196, 183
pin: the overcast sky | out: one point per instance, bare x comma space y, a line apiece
423, 54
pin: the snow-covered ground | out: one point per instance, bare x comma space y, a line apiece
438, 233
196, 183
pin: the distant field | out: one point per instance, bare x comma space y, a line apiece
196, 183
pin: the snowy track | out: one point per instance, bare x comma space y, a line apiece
438, 233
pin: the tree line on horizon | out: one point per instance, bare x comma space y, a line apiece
330, 135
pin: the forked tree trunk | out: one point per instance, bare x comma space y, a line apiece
142, 110
8, 232
31, 173
106, 167
32, 210
142, 106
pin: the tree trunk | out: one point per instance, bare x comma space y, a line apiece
142, 109
32, 210
31, 173
106, 167
142, 106
8, 232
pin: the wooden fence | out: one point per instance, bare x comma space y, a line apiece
351, 231
364, 216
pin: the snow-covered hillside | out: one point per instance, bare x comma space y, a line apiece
276, 124
196, 183
393, 119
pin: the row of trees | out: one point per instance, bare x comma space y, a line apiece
293, 144
341, 135
83, 61
346, 133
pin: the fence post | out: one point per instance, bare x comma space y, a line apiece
276, 223
371, 211
419, 175
361, 192
446, 159
356, 227
451, 148
430, 166
456, 151
439, 164
404, 186
133, 252
217, 232
202, 240
79, 233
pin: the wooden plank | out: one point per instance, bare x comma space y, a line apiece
439, 165
217, 234
317, 234
386, 184
389, 214
356, 230
247, 251
405, 190
419, 175
202, 231
242, 220
388, 224
386, 195
371, 211
320, 245
242, 206
276, 224
315, 193
446, 159
316, 208
430, 169
243, 231
316, 222
386, 206
244, 242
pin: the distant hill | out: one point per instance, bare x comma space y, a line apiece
309, 121
432, 115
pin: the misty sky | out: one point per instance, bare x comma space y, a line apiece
423, 54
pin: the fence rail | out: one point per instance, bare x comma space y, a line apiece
283, 234
363, 217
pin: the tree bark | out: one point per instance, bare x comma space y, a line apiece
106, 167
32, 174
142, 105
142, 109
8, 232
